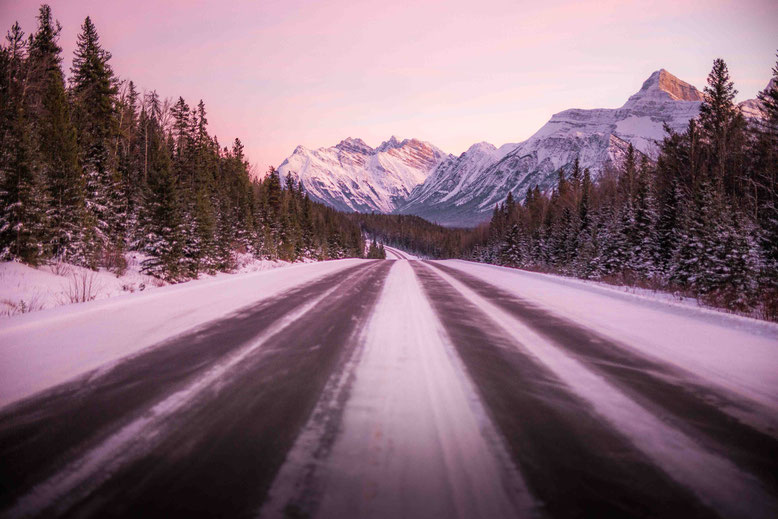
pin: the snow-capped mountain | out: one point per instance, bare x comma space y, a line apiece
463, 191
754, 108
452, 177
352, 176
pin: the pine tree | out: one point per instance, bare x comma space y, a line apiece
93, 90
55, 137
512, 251
24, 202
763, 185
697, 237
164, 236
722, 127
645, 238
627, 180
583, 206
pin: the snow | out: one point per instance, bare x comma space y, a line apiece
716, 480
26, 289
737, 353
646, 128
412, 415
42, 349
397, 254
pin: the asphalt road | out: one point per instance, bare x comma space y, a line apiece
202, 425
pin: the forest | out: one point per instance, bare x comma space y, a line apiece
91, 168
414, 234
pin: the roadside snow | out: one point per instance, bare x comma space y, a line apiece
42, 349
26, 289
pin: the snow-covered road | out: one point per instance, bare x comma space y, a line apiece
388, 389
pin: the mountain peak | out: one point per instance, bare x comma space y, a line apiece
481, 147
393, 142
354, 145
663, 84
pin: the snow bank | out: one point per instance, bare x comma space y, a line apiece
41, 349
26, 289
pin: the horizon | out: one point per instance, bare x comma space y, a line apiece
347, 78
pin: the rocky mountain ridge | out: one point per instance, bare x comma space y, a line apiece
352, 176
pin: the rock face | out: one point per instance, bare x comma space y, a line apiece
463, 191
352, 176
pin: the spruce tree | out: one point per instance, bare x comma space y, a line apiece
24, 201
164, 241
763, 188
722, 127
55, 139
93, 91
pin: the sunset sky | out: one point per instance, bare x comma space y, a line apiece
282, 73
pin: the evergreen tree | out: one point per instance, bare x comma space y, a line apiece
93, 90
164, 236
512, 253
763, 184
24, 220
722, 127
55, 139
645, 238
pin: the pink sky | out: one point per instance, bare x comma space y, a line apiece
288, 72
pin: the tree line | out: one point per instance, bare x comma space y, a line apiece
90, 168
416, 235
701, 219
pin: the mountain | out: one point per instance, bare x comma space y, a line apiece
754, 108
463, 190
352, 176
453, 178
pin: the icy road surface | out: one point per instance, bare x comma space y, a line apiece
388, 389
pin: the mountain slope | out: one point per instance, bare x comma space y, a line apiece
352, 176
464, 191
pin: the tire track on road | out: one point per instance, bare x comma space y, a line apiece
666, 390
77, 418
574, 463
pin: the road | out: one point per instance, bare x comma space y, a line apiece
402, 388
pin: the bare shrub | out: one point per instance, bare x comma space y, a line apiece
60, 268
82, 286
113, 259
9, 307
